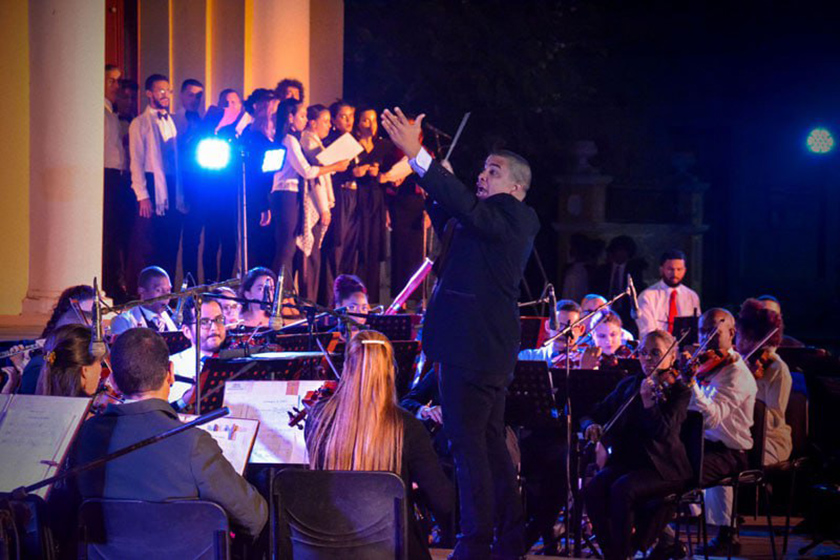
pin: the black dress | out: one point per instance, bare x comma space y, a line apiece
257, 189
406, 205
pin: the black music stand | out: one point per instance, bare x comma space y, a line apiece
530, 397
588, 387
302, 342
176, 341
631, 366
690, 324
530, 327
216, 372
395, 327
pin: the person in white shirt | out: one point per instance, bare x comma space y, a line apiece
726, 399
153, 282
568, 312
212, 338
318, 202
118, 200
285, 207
154, 168
668, 298
590, 303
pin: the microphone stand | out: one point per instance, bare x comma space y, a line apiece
572, 509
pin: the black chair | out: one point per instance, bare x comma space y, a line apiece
752, 476
335, 515
796, 416
133, 529
692, 435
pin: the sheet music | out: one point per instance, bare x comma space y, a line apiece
35, 434
270, 402
344, 147
235, 436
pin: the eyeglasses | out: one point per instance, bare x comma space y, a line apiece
206, 322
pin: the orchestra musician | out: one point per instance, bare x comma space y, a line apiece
152, 282
668, 298
69, 368
189, 466
772, 375
361, 428
472, 329
257, 282
648, 459
351, 294
590, 303
609, 341
568, 312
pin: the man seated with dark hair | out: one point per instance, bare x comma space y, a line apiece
152, 282
187, 466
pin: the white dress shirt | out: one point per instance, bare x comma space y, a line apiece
774, 391
184, 366
654, 303
140, 317
114, 151
151, 142
727, 403
295, 167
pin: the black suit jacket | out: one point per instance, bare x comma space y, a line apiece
188, 465
473, 318
655, 429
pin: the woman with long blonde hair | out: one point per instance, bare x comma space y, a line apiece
362, 428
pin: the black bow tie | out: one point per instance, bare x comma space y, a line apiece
163, 115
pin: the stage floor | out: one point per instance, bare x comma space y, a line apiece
755, 544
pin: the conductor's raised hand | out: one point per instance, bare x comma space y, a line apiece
404, 133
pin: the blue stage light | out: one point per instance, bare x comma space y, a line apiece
213, 154
820, 141
274, 160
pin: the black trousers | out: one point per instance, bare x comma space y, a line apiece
612, 499
544, 470
119, 210
155, 240
285, 215
720, 461
473, 418
406, 239
340, 250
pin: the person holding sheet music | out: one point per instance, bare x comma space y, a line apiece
472, 329
648, 459
189, 466
362, 428
285, 200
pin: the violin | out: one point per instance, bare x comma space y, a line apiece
297, 415
708, 362
759, 362
702, 364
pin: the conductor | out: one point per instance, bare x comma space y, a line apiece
472, 329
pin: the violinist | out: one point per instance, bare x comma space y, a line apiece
648, 459
212, 337
568, 312
610, 342
771, 373
591, 302
725, 394
362, 428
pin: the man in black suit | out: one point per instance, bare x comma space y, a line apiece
648, 459
472, 329
187, 466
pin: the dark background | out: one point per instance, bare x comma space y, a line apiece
738, 84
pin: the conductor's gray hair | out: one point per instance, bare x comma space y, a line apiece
520, 169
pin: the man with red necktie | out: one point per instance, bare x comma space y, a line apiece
664, 301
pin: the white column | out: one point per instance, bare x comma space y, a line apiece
67, 58
276, 42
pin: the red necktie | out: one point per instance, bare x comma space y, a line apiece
672, 310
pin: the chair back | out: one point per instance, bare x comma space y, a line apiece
133, 529
796, 416
755, 456
692, 435
333, 515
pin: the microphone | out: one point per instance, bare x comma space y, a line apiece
553, 319
97, 348
377, 310
434, 130
266, 304
275, 321
179, 309
634, 297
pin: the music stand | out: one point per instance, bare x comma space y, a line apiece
176, 341
690, 324
302, 342
530, 399
531, 328
588, 387
395, 327
631, 366
216, 372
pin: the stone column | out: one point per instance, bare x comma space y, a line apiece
277, 43
67, 58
